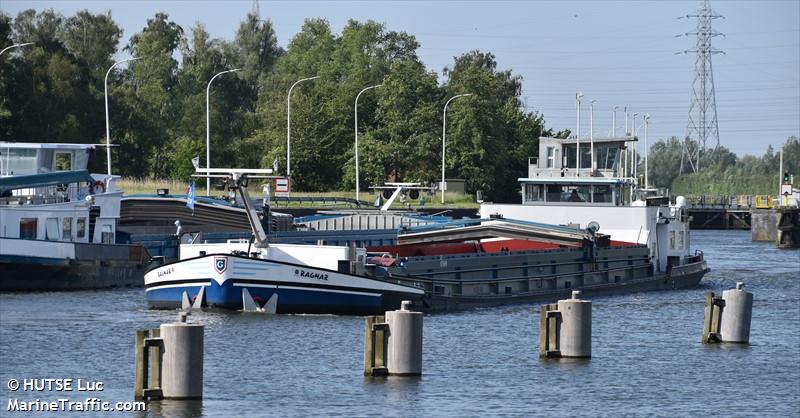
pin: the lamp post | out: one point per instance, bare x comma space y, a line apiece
355, 108
578, 96
108, 124
646, 148
289, 125
591, 135
15, 46
634, 166
614, 123
208, 127
444, 135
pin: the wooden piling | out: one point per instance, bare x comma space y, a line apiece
549, 319
375, 346
148, 351
140, 365
712, 318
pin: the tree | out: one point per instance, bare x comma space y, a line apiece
147, 101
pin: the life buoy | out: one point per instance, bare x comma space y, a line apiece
99, 187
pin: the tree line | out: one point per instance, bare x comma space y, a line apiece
53, 91
723, 172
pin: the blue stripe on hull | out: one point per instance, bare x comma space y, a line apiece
290, 300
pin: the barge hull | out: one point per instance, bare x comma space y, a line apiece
684, 277
49, 274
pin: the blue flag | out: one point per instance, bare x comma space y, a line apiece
190, 197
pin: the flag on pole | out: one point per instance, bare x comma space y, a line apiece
190, 197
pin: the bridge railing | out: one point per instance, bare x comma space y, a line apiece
731, 201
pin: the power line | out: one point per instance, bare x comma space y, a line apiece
704, 100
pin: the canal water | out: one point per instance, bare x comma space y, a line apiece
647, 356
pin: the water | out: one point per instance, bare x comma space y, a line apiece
647, 356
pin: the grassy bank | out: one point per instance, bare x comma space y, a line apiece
133, 186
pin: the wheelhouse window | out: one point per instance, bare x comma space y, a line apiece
534, 192
63, 161
551, 151
574, 194
27, 228
602, 194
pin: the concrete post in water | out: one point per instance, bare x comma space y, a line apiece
576, 327
404, 354
566, 328
182, 366
736, 315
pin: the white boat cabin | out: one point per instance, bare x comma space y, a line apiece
600, 190
47, 194
602, 177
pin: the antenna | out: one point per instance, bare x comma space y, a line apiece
702, 121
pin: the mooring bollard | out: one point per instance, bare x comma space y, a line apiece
565, 328
736, 315
394, 346
182, 365
169, 361
404, 355
727, 318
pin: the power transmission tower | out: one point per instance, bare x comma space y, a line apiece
702, 121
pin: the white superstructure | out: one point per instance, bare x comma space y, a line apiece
557, 192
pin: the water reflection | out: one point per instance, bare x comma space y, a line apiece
173, 408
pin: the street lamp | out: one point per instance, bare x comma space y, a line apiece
108, 125
591, 135
15, 46
208, 127
355, 107
289, 125
614, 123
444, 135
646, 148
578, 96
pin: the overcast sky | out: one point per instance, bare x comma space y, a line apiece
616, 52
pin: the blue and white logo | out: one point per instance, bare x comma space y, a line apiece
220, 264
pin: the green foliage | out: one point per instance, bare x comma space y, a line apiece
725, 174
158, 105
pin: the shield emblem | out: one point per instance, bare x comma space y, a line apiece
220, 264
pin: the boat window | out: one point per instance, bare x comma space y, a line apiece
66, 229
570, 155
602, 194
671, 240
605, 157
81, 230
680, 240
51, 229
63, 161
108, 235
553, 193
19, 161
534, 192
551, 157
27, 228
574, 194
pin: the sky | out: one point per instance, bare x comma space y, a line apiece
618, 53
